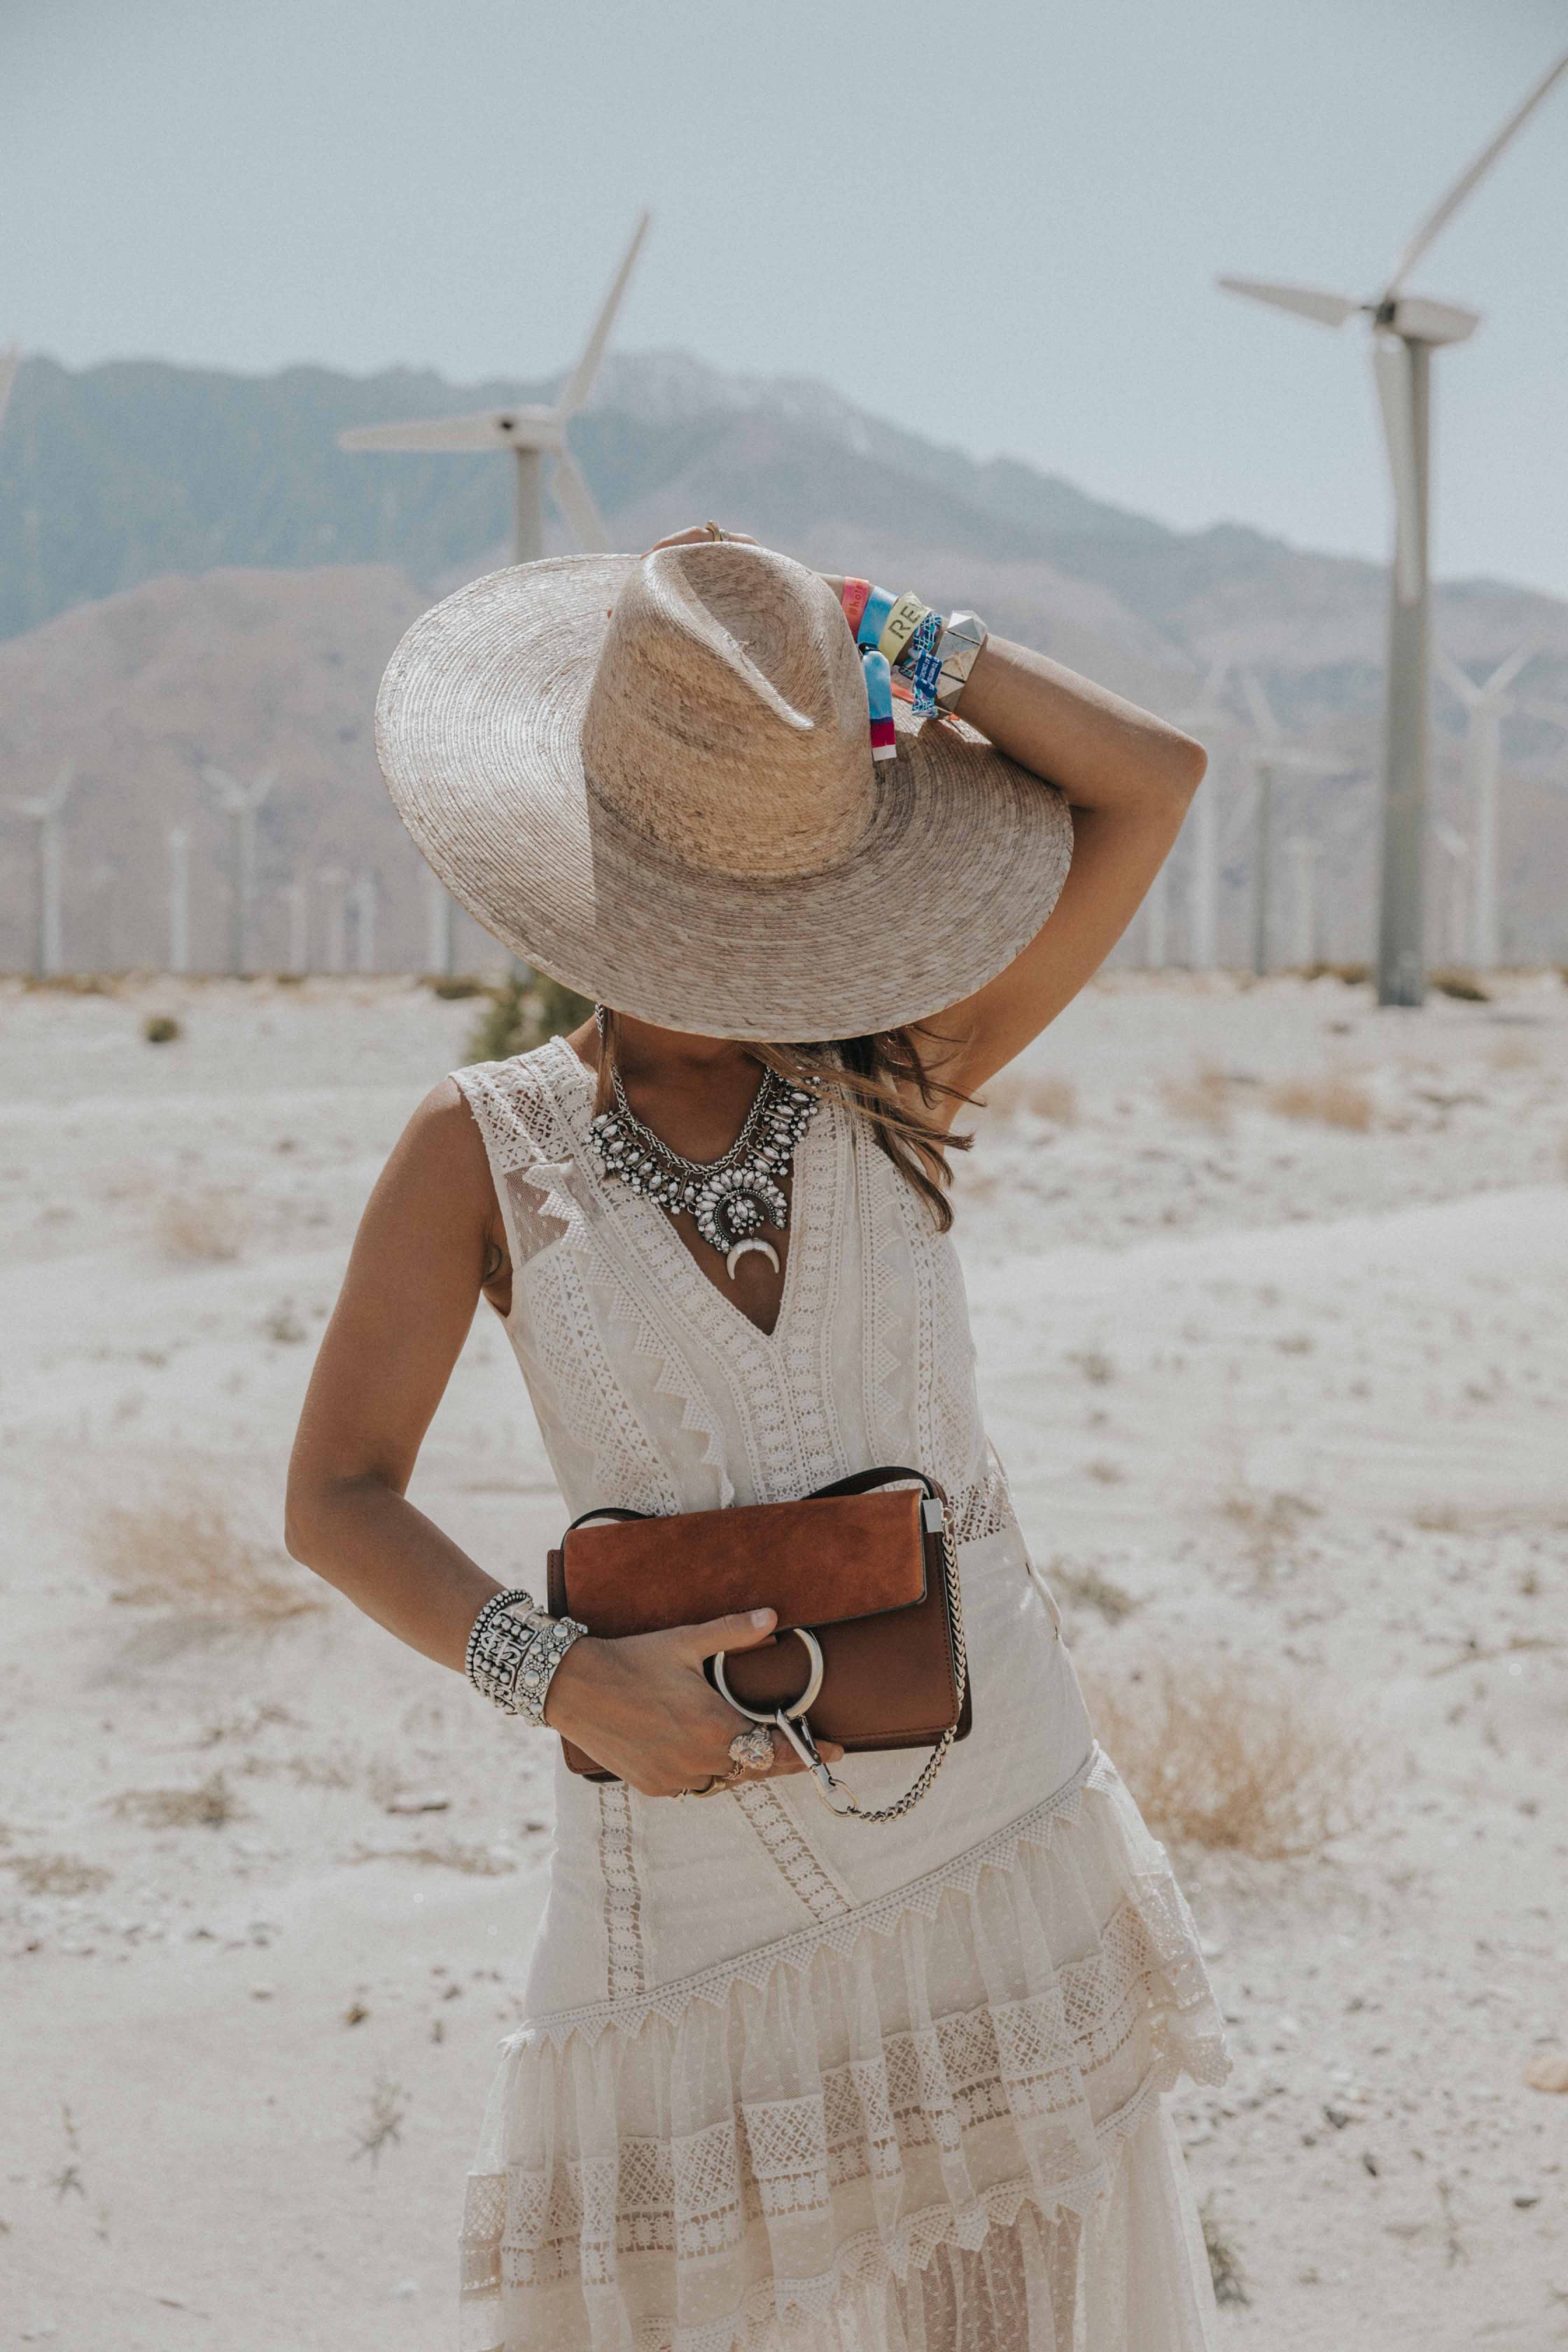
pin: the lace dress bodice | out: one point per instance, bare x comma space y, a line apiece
655, 1393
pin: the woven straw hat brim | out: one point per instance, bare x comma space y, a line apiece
478, 728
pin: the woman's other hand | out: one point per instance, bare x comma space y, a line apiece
643, 1708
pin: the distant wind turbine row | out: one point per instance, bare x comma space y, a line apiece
1405, 331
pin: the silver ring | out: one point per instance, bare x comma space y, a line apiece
752, 1750
807, 1698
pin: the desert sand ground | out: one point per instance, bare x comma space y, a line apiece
1268, 1290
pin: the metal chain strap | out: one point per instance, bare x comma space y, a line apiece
800, 1738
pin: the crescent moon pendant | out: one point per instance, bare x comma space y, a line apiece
733, 1257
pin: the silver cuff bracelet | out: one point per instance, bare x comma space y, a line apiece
958, 650
513, 1652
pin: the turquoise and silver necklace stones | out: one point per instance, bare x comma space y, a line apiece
729, 1199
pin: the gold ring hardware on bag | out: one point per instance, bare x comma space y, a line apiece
777, 1714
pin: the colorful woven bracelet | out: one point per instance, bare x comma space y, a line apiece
879, 679
899, 629
874, 619
922, 665
852, 596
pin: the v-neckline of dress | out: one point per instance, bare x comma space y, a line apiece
654, 1223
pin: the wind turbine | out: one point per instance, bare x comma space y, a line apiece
532, 435
364, 904
1207, 717
1406, 330
1456, 849
440, 954
179, 899
1484, 702
1274, 756
242, 803
45, 810
10, 360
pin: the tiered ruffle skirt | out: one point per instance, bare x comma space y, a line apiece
933, 2124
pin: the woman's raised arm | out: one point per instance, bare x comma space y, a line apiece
1128, 778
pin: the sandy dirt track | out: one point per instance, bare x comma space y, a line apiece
1269, 1293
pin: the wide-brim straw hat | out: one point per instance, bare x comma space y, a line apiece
651, 777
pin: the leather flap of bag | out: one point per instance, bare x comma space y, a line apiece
817, 1563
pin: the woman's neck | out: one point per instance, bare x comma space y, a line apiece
672, 1057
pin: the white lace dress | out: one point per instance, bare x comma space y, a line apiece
788, 2081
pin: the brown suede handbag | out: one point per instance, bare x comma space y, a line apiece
864, 1573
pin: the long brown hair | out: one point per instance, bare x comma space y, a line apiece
886, 1080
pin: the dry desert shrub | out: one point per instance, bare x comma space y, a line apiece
54, 1874
473, 1860
1225, 2262
1464, 985
1220, 1754
212, 1805
206, 1227
1327, 1101
1035, 1092
1088, 1587
182, 1550
1202, 1099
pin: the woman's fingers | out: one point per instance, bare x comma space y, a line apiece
745, 1630
700, 531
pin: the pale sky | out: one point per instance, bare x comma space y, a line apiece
999, 220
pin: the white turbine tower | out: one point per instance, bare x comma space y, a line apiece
440, 908
1457, 850
1207, 719
10, 360
1406, 330
532, 435
1275, 756
179, 899
242, 803
1484, 702
365, 896
46, 809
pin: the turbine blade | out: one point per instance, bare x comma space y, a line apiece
1443, 212
1262, 709
10, 360
575, 500
1555, 712
580, 383
492, 428
1459, 682
1503, 676
1390, 368
1308, 301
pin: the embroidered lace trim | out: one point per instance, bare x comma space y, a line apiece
785, 1846
518, 2234
625, 1966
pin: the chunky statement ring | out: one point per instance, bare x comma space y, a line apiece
771, 1714
752, 1751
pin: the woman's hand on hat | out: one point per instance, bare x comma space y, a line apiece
699, 531
643, 1708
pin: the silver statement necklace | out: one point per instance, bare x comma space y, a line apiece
729, 1199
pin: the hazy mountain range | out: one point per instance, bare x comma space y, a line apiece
191, 571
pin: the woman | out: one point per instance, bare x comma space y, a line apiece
787, 2079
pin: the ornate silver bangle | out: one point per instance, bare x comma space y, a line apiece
513, 1652
962, 641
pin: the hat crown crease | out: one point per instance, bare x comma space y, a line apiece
726, 718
